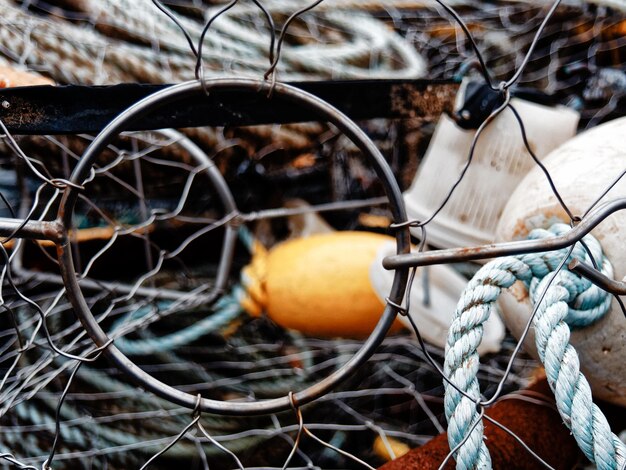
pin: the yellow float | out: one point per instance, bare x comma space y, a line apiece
333, 284
319, 285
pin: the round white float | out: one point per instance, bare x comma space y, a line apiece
582, 169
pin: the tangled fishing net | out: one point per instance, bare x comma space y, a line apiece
145, 254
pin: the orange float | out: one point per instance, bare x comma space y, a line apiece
319, 285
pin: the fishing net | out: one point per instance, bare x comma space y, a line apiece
152, 224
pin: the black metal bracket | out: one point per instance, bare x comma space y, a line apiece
75, 109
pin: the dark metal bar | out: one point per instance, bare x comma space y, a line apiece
33, 229
455, 255
599, 279
77, 109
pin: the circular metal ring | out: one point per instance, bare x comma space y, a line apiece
227, 200
323, 112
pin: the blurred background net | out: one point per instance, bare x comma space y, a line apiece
141, 223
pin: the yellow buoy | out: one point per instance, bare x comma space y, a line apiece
391, 449
319, 285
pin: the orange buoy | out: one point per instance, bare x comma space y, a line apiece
319, 285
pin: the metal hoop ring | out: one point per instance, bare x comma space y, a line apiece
319, 109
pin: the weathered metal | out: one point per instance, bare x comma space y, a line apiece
77, 109
525, 418
494, 250
268, 94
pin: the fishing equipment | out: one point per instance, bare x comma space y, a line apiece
198, 89
558, 297
531, 415
434, 294
82, 54
247, 360
319, 285
333, 284
587, 173
500, 157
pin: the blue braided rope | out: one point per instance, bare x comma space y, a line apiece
227, 309
569, 302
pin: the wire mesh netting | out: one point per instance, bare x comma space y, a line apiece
163, 214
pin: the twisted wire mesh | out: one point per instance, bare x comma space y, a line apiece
107, 421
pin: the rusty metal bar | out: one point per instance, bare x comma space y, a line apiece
76, 109
599, 279
495, 250
33, 229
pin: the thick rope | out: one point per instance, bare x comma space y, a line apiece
77, 53
227, 310
569, 301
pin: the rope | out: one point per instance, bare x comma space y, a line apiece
227, 310
79, 432
569, 302
77, 53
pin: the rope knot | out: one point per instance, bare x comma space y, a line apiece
562, 300
587, 302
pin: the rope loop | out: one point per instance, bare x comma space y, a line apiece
566, 301
587, 302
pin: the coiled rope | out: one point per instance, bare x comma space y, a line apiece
136, 42
565, 300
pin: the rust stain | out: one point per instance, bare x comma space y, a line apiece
12, 77
22, 112
519, 291
549, 214
432, 101
537, 424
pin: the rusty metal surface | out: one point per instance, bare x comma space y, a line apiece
412, 100
32, 229
454, 255
80, 109
599, 279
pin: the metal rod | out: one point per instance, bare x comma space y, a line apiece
33, 229
76, 109
173, 96
118, 288
328, 207
494, 250
599, 279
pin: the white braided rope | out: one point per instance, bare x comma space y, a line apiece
72, 53
77, 53
140, 19
568, 299
571, 390
368, 49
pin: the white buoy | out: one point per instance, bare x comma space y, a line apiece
582, 169
500, 161
434, 315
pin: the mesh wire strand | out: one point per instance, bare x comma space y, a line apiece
106, 421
